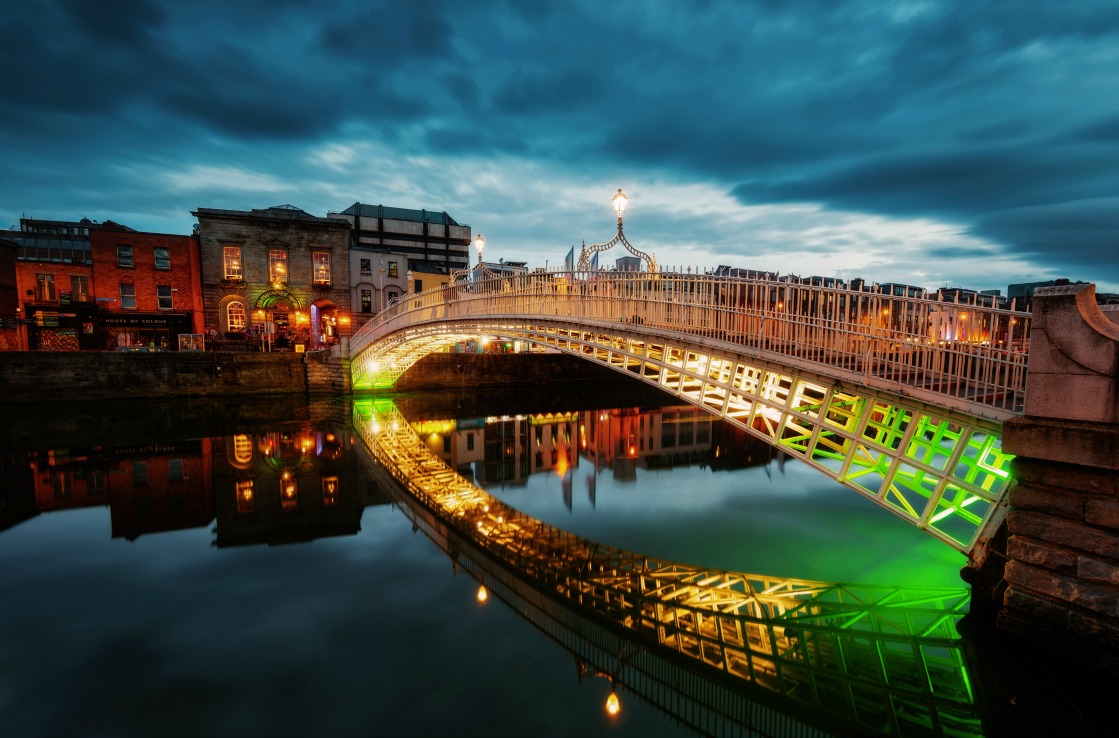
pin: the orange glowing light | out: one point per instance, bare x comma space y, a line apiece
482, 595
613, 705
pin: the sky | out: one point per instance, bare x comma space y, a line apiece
935, 143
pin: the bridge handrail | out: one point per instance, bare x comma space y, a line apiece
940, 346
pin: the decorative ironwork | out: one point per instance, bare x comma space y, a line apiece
619, 202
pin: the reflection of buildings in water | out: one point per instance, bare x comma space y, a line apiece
149, 488
505, 449
623, 439
286, 486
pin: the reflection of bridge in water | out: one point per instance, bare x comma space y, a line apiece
899, 398
885, 659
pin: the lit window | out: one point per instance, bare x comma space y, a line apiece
124, 255
127, 296
162, 258
365, 267
289, 492
44, 288
246, 501
330, 491
235, 316
242, 448
277, 265
79, 288
367, 301
232, 260
392, 269
163, 297
322, 267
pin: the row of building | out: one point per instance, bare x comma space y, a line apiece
276, 278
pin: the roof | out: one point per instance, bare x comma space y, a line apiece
381, 211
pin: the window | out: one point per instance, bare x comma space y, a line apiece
175, 470
330, 491
418, 285
162, 258
365, 267
232, 259
127, 296
322, 267
163, 297
44, 288
367, 301
469, 441
277, 265
124, 255
79, 288
446, 444
393, 294
235, 316
242, 448
139, 473
289, 492
392, 269
245, 501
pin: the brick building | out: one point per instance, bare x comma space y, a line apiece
84, 285
146, 285
277, 276
11, 336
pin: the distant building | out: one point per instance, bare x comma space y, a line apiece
429, 238
278, 276
376, 279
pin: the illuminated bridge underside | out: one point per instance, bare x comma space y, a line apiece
886, 657
941, 471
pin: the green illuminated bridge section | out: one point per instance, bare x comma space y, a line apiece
899, 398
886, 658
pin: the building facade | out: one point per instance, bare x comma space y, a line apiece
377, 278
84, 285
146, 286
277, 278
424, 237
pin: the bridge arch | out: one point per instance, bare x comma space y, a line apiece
861, 387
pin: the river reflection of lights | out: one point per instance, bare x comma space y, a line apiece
483, 595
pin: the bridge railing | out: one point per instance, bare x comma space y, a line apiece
964, 350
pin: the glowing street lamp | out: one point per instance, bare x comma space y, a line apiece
619, 201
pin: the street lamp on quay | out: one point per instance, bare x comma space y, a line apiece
619, 201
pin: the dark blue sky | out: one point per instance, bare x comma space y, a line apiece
967, 143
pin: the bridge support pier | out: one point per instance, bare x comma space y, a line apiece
1060, 583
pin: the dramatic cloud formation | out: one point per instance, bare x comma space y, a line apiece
923, 141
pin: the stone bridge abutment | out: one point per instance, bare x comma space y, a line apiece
1061, 576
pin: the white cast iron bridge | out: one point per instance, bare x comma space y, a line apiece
898, 397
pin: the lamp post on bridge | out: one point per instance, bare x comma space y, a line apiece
619, 202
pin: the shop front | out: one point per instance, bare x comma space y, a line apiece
145, 329
63, 327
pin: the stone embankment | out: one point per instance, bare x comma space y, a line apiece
44, 376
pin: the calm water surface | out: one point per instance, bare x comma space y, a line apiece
232, 569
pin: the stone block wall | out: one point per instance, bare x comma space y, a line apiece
1062, 550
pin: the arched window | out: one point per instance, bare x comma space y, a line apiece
235, 316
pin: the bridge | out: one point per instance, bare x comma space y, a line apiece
818, 656
900, 398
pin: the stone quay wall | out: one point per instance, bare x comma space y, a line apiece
1062, 569
99, 375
